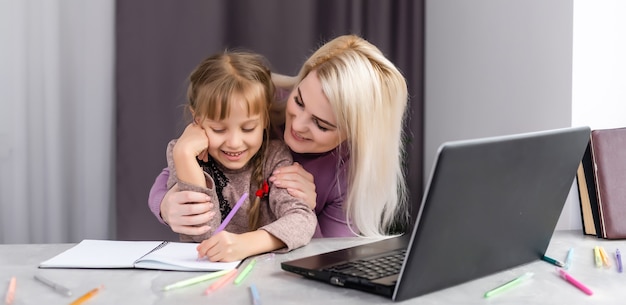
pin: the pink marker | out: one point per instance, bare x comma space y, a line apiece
574, 282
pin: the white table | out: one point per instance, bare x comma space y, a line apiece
275, 286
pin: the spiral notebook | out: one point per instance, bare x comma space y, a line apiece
116, 254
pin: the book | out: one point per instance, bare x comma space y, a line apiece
587, 195
608, 150
158, 255
585, 204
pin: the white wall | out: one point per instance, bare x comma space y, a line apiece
599, 68
498, 67
598, 77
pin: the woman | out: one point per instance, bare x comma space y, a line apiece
343, 123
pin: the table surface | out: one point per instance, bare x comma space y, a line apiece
275, 286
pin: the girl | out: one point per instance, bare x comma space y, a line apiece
343, 122
226, 152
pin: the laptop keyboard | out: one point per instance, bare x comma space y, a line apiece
373, 268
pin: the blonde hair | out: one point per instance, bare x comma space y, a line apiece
215, 82
368, 95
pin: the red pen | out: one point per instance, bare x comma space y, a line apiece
574, 282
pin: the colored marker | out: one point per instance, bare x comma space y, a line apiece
231, 214
256, 300
221, 282
618, 258
10, 296
58, 288
574, 282
195, 280
568, 258
245, 272
597, 256
85, 297
509, 284
552, 261
604, 256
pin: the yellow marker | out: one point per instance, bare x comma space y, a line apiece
597, 256
605, 257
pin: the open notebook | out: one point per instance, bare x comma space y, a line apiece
111, 254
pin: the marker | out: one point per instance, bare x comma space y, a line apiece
597, 256
568, 258
552, 261
509, 284
618, 258
231, 214
574, 282
256, 300
245, 272
85, 297
195, 280
58, 288
221, 282
10, 297
604, 256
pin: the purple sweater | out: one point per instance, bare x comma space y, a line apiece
330, 184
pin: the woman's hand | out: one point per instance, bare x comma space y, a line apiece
187, 212
298, 182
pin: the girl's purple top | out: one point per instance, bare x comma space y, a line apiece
329, 171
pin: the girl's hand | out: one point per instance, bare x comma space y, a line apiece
298, 182
193, 142
224, 247
228, 247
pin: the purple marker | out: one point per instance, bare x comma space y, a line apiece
231, 214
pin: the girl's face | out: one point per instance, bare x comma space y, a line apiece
310, 125
236, 139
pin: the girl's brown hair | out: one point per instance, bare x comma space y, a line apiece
216, 81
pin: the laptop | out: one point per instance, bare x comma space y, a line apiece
490, 204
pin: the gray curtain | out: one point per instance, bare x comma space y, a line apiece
159, 42
56, 120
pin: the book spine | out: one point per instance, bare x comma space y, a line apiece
598, 186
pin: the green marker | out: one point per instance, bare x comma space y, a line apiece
509, 284
245, 271
552, 261
195, 280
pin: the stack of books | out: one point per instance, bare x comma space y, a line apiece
602, 184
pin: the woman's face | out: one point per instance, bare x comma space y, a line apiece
310, 125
